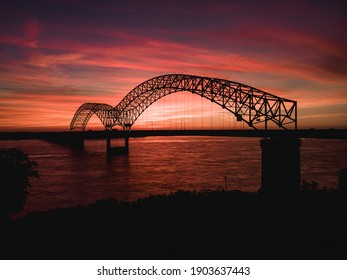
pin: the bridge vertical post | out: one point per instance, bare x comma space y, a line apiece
280, 165
108, 142
265, 100
126, 142
249, 109
296, 115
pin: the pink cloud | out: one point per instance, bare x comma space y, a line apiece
46, 69
37, 58
30, 39
33, 31
152, 55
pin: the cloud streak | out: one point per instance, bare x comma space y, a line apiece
87, 53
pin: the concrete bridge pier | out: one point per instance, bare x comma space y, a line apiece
280, 165
117, 150
75, 142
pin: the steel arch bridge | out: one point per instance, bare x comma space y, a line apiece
248, 104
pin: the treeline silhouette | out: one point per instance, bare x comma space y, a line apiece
16, 169
186, 225
310, 224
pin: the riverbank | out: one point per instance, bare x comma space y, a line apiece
187, 225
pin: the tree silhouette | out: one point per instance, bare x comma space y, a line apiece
15, 171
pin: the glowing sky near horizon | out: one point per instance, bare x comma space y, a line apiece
56, 55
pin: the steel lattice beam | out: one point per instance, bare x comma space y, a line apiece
246, 103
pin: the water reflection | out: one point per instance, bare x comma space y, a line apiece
159, 165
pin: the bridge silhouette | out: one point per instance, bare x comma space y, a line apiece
248, 104
257, 108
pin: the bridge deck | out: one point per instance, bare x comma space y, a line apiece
311, 133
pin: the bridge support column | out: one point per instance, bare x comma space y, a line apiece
76, 142
280, 165
108, 143
117, 150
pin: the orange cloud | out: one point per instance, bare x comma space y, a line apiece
49, 77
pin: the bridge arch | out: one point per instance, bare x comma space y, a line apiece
246, 103
87, 110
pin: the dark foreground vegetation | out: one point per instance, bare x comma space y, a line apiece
16, 169
185, 225
310, 224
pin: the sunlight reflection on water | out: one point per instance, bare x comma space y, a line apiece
158, 165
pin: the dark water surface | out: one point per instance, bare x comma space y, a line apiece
158, 165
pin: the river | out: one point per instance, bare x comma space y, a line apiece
159, 165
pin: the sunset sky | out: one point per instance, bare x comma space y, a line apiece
56, 55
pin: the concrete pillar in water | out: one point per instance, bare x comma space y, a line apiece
76, 142
117, 150
280, 164
108, 143
127, 144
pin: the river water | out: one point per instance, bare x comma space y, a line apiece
158, 165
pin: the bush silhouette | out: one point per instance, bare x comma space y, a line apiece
15, 171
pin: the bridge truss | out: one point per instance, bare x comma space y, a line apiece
248, 104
